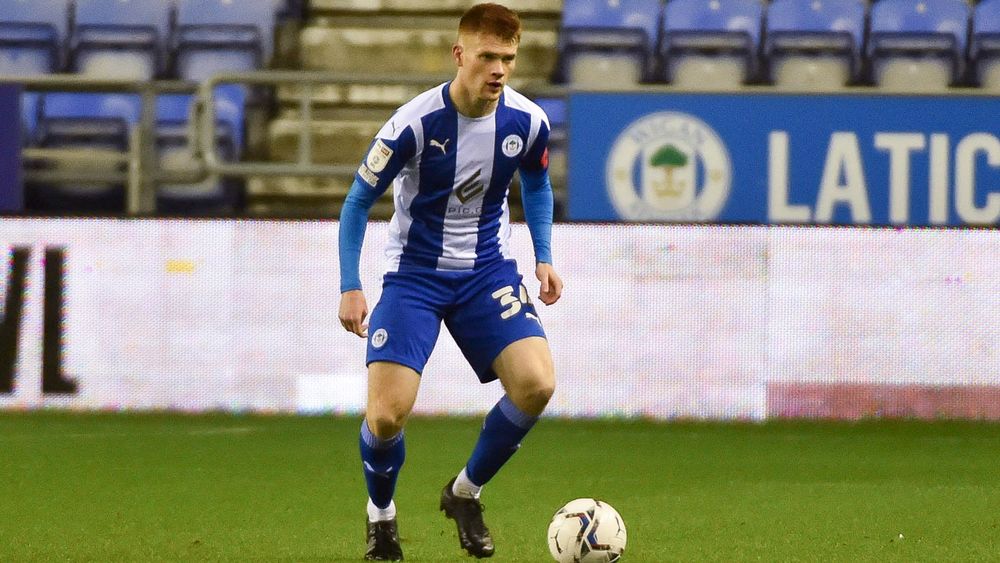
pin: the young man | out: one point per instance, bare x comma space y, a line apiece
450, 154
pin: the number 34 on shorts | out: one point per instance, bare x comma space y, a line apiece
513, 303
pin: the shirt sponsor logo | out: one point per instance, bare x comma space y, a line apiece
470, 188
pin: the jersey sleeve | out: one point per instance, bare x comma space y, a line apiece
536, 159
536, 194
392, 148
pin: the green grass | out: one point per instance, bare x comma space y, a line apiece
83, 487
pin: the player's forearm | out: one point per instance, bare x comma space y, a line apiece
536, 196
353, 220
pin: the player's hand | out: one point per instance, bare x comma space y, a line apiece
551, 284
353, 312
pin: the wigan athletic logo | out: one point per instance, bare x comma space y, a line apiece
668, 166
512, 145
379, 338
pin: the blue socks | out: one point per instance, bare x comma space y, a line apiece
505, 427
381, 461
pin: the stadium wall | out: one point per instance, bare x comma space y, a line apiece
851, 158
713, 322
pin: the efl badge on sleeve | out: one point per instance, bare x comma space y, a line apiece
378, 157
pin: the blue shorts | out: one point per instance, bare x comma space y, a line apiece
485, 311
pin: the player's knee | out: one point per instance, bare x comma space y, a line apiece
536, 391
385, 424
541, 393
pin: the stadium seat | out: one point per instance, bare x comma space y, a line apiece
119, 38
984, 51
917, 45
555, 109
175, 152
814, 45
96, 122
97, 136
127, 107
608, 42
32, 35
711, 44
212, 196
222, 35
230, 102
29, 115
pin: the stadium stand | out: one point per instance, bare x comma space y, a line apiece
390, 50
119, 38
918, 45
212, 196
219, 35
97, 122
814, 45
711, 44
32, 36
984, 51
608, 42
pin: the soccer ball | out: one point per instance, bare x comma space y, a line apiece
587, 531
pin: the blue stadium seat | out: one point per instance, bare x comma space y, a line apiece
32, 35
127, 107
222, 35
120, 38
230, 103
814, 44
984, 52
555, 109
90, 121
90, 133
213, 196
711, 44
918, 45
608, 42
29, 115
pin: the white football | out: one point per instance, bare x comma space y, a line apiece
587, 531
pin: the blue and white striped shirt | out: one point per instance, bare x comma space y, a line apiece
451, 176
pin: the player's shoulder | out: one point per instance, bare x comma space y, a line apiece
413, 111
518, 101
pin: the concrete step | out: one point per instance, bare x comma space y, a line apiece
306, 197
523, 7
410, 49
333, 142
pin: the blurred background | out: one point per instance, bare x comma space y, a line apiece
763, 209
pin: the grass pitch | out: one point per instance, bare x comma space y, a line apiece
114, 487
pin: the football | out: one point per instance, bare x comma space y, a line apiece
587, 531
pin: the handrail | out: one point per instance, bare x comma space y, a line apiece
142, 170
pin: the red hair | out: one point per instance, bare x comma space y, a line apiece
492, 19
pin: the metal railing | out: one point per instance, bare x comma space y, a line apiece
141, 170
142, 173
